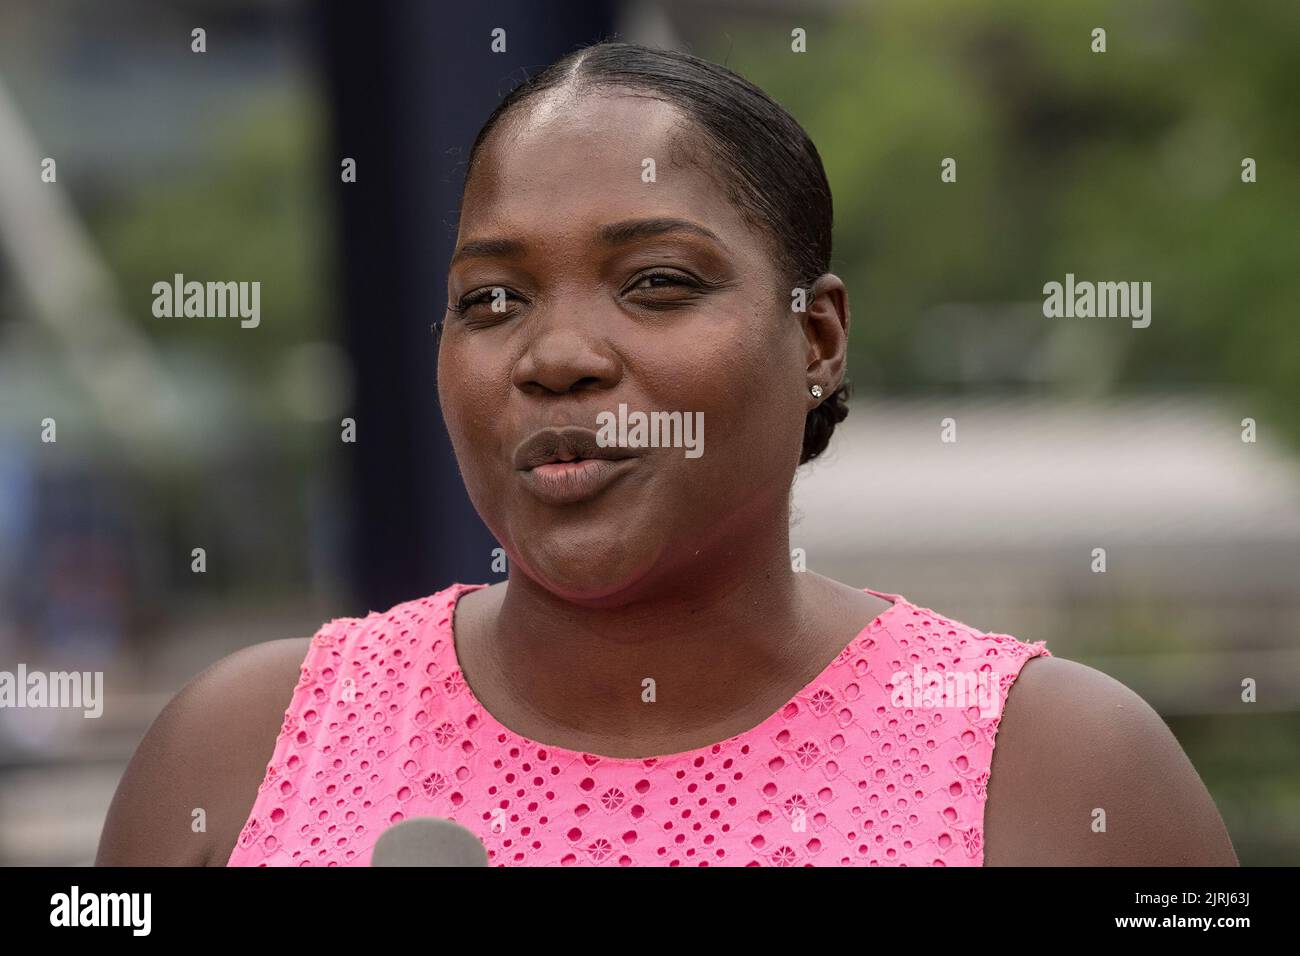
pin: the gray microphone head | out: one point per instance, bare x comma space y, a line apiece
428, 841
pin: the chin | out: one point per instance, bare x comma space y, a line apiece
583, 574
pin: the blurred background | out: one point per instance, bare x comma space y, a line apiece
1073, 434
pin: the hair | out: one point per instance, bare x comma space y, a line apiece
774, 173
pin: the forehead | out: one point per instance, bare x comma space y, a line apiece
569, 162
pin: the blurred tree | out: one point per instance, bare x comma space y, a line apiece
255, 211
1122, 166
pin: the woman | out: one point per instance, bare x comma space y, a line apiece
654, 685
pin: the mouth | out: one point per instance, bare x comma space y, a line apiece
568, 465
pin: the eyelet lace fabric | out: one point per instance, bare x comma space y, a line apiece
881, 760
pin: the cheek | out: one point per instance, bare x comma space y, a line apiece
469, 396
743, 372
450, 389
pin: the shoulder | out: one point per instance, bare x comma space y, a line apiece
1086, 773
207, 750
210, 747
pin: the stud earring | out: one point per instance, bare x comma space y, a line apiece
816, 391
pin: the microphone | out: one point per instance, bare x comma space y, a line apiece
428, 841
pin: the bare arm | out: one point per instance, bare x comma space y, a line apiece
207, 750
1074, 741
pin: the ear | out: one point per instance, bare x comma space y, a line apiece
826, 329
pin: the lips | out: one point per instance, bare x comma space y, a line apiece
568, 465
573, 443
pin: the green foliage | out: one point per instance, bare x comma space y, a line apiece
254, 211
1123, 165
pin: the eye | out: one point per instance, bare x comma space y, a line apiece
486, 303
660, 280
662, 288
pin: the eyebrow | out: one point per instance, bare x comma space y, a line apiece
618, 233
490, 249
633, 229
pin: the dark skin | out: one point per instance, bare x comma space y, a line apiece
679, 570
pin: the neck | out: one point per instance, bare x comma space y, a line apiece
726, 639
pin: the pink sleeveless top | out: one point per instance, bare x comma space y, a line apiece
882, 760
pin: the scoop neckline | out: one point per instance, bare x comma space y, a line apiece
898, 603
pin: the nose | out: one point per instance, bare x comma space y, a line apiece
566, 358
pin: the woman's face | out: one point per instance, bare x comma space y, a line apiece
656, 295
